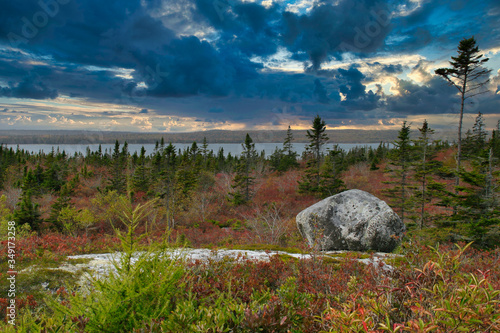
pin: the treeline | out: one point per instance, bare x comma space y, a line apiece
173, 176
197, 178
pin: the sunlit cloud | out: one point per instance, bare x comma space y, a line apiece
196, 65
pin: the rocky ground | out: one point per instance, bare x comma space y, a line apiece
80, 270
100, 264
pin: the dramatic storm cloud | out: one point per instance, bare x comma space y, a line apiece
158, 65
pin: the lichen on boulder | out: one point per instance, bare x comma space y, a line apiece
352, 220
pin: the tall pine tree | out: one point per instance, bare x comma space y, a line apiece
140, 179
243, 180
400, 159
285, 158
425, 166
290, 155
494, 143
118, 180
311, 182
474, 143
468, 75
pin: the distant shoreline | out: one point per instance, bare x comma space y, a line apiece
213, 136
235, 149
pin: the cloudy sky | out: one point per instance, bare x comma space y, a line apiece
188, 65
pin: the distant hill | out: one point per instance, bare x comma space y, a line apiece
213, 136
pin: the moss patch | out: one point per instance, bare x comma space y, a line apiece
349, 255
43, 277
267, 247
77, 261
395, 261
287, 258
331, 260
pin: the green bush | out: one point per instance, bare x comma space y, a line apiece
129, 298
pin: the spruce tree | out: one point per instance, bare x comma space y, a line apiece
467, 74
285, 158
400, 158
140, 179
479, 132
494, 143
171, 158
63, 201
156, 164
477, 197
118, 181
477, 204
32, 181
243, 180
194, 151
204, 150
276, 160
479, 135
474, 143
374, 163
311, 182
185, 183
55, 174
166, 187
220, 160
331, 183
289, 160
27, 211
425, 166
467, 145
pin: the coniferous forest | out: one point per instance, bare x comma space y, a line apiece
444, 277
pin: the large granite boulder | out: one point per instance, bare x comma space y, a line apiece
352, 220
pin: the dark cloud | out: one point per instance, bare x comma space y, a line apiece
144, 111
249, 27
419, 13
215, 110
367, 102
31, 21
193, 67
433, 97
320, 92
441, 24
287, 87
388, 69
328, 30
331, 29
488, 104
309, 89
87, 32
48, 80
29, 87
351, 85
414, 40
